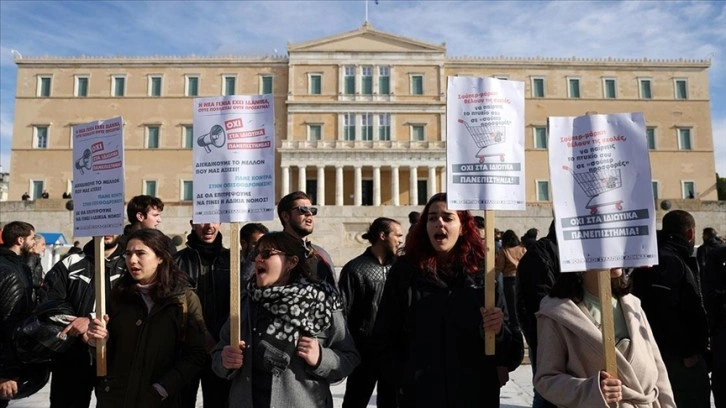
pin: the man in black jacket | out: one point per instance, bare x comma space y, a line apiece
536, 274
671, 300
16, 301
361, 287
714, 298
206, 262
711, 242
72, 280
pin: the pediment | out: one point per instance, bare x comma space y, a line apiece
365, 39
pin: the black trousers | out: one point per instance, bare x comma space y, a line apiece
72, 378
362, 381
215, 390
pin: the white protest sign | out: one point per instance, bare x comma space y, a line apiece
98, 178
602, 193
234, 159
485, 144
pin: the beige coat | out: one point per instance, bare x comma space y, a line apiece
569, 358
507, 260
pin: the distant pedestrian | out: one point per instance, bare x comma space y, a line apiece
711, 241
25, 196
529, 238
506, 262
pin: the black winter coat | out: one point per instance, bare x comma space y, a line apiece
16, 303
431, 341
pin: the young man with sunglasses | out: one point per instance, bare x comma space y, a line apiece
297, 216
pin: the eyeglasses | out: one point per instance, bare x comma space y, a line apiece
267, 253
304, 209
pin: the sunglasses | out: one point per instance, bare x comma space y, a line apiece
304, 209
267, 253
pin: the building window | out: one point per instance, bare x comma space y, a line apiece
609, 88
349, 80
266, 84
311, 188
150, 187
349, 126
191, 88
423, 194
384, 126
81, 87
540, 137
656, 187
366, 190
119, 86
417, 84
384, 80
367, 80
316, 84
573, 87
418, 133
688, 189
229, 85
650, 137
684, 139
44, 86
155, 85
152, 137
681, 88
367, 126
538, 90
645, 90
315, 132
40, 136
36, 189
187, 190
543, 190
187, 136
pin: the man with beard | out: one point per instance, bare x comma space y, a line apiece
206, 262
361, 286
16, 302
72, 281
296, 214
672, 303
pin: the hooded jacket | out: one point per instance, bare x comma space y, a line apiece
569, 358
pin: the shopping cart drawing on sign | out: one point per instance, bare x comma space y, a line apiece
598, 186
485, 136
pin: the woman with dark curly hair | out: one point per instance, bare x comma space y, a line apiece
569, 351
154, 327
294, 338
431, 322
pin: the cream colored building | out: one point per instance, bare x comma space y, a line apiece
360, 116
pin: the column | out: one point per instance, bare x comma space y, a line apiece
443, 179
285, 181
338, 185
321, 185
413, 189
376, 185
302, 177
394, 186
431, 181
357, 190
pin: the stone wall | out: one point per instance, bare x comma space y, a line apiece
338, 229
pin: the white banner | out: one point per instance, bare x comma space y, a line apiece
234, 159
485, 144
602, 192
98, 178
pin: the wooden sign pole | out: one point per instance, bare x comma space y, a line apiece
100, 277
489, 278
608, 322
234, 285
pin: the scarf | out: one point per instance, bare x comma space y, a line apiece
207, 252
299, 308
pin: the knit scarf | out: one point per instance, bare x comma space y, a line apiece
207, 251
299, 308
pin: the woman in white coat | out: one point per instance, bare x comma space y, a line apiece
569, 354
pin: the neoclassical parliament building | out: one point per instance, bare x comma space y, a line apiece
360, 116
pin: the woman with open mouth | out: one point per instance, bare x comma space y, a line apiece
295, 341
431, 322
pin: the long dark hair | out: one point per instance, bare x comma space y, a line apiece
468, 252
293, 246
569, 286
170, 280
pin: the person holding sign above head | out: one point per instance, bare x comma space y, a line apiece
431, 324
154, 328
294, 339
569, 350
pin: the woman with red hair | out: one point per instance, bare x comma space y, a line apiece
431, 323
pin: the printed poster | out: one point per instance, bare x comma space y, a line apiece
234, 159
602, 193
485, 144
98, 178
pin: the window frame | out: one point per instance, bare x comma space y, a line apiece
347, 77
538, 190
570, 88
145, 187
182, 190
264, 77
311, 83
683, 189
349, 126
534, 87
676, 95
151, 79
641, 94
679, 131
655, 187
384, 126
77, 85
412, 80
413, 130
650, 140
114, 79
41, 90
187, 84
366, 81
37, 137
605, 90
185, 137
225, 78
384, 77
310, 127
147, 138
535, 136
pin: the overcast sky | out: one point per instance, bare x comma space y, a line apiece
624, 29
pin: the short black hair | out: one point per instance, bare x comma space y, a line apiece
413, 217
286, 203
245, 233
14, 230
678, 222
479, 221
710, 232
380, 224
142, 204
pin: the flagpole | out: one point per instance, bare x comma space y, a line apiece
366, 2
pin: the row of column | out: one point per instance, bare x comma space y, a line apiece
358, 183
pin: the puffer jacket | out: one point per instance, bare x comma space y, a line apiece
16, 303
